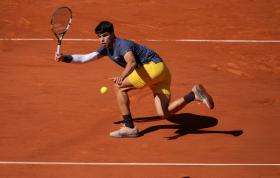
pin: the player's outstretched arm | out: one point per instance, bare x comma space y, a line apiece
78, 58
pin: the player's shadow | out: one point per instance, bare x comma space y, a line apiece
184, 124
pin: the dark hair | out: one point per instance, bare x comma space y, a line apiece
104, 26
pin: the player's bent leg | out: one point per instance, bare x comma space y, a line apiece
177, 105
161, 104
122, 99
166, 109
128, 130
122, 96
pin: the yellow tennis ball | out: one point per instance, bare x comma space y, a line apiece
103, 90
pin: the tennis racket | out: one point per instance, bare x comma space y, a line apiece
60, 23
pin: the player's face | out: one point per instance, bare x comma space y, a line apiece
106, 39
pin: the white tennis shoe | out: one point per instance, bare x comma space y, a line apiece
202, 96
125, 132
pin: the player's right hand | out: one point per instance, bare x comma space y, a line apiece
58, 57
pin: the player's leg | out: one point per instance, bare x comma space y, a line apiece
129, 130
139, 78
122, 96
161, 104
165, 108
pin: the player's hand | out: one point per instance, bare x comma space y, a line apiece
58, 57
118, 80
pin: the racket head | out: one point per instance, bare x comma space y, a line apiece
61, 20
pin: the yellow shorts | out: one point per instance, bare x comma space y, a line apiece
154, 75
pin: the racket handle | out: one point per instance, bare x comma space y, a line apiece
57, 53
58, 49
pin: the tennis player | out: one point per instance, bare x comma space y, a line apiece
143, 67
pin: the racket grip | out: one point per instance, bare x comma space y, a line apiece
58, 49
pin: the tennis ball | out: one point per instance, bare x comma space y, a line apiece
103, 90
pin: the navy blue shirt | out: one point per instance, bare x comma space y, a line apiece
141, 53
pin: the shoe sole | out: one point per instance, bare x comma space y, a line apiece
124, 136
206, 98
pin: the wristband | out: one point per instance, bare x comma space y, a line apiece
67, 58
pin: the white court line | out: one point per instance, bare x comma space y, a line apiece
131, 164
149, 40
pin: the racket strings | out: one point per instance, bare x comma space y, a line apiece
61, 20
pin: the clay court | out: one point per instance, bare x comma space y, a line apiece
55, 123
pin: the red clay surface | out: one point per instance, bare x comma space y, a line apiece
54, 112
